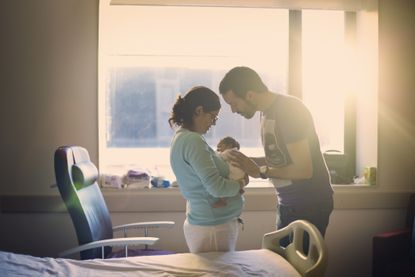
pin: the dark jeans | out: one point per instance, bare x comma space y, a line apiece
316, 213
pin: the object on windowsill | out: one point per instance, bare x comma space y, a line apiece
137, 179
337, 164
358, 180
138, 185
111, 181
370, 175
159, 182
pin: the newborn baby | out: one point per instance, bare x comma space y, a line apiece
235, 173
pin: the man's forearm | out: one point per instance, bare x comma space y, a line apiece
260, 161
292, 172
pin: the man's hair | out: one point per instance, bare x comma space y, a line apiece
240, 80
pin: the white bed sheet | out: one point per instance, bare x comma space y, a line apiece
261, 262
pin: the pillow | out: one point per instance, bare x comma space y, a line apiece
84, 174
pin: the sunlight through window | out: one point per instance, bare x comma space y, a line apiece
326, 74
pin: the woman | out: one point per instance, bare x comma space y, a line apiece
199, 173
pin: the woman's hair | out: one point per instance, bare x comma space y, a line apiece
240, 80
184, 108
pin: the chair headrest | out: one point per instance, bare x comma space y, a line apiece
84, 174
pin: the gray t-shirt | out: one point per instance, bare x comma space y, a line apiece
287, 121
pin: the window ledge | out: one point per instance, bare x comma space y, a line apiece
258, 198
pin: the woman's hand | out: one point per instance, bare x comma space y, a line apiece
245, 163
243, 183
246, 178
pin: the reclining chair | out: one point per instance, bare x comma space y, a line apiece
394, 251
76, 178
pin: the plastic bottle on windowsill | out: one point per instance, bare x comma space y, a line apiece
369, 174
158, 182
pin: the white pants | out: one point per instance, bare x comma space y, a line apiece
221, 237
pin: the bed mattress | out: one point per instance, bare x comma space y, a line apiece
260, 262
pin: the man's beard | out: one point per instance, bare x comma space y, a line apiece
251, 112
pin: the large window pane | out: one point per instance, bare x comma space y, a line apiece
150, 55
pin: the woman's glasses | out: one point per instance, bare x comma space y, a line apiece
214, 117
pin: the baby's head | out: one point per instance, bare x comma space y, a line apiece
227, 143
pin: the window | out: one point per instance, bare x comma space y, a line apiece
151, 54
327, 83
142, 72
323, 44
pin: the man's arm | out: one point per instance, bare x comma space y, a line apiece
260, 161
301, 166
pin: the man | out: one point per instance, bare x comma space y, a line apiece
293, 160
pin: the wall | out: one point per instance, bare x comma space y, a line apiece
349, 235
48, 87
63, 233
396, 154
48, 98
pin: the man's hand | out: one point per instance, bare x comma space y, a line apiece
238, 159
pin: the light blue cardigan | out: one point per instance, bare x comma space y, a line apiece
199, 173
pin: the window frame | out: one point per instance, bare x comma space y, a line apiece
343, 163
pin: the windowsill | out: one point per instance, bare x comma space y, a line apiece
264, 184
259, 196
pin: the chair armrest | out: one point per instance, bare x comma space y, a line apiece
143, 225
110, 242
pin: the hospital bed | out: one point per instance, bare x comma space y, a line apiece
271, 260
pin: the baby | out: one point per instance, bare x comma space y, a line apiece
235, 173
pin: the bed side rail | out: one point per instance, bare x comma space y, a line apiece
312, 264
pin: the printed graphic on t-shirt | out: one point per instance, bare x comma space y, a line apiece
273, 152
274, 155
